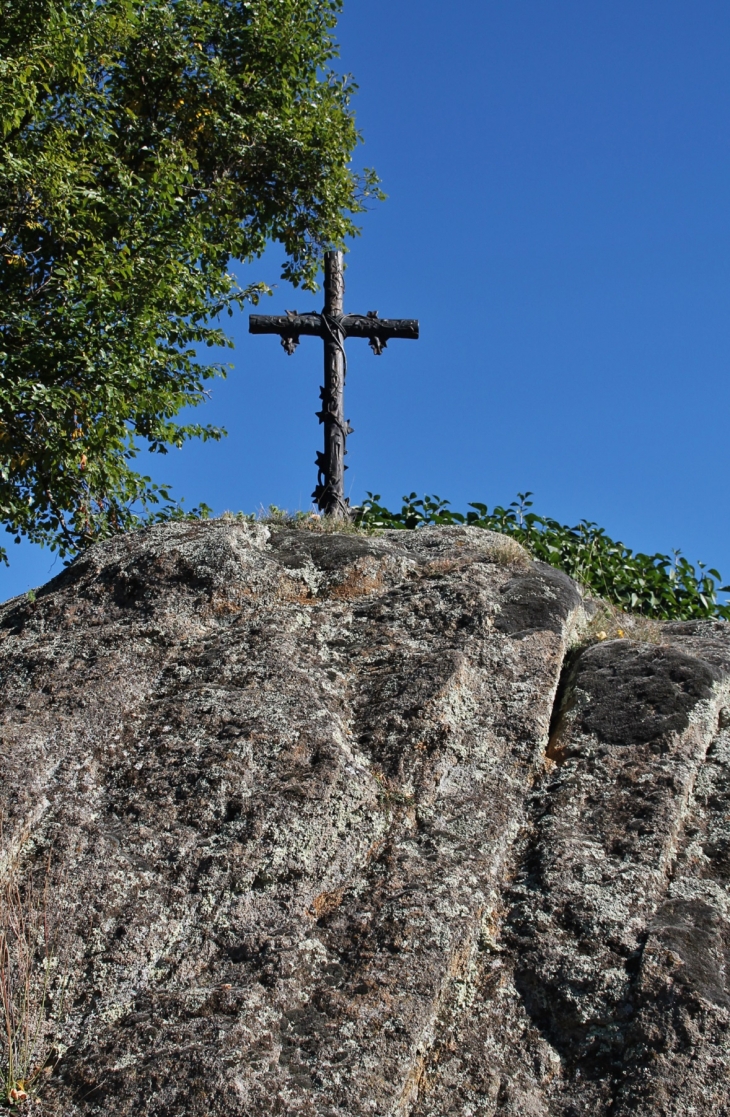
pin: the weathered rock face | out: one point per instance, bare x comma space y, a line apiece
346, 828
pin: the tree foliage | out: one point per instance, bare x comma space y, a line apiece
145, 143
660, 586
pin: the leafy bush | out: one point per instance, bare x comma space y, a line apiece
661, 586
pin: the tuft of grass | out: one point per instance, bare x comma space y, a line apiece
608, 622
508, 552
661, 587
273, 516
32, 984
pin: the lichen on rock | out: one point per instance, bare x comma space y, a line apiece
355, 824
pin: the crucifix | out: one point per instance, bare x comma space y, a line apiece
333, 326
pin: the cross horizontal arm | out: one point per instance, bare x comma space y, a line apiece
353, 325
308, 324
362, 325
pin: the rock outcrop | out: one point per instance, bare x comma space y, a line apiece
351, 826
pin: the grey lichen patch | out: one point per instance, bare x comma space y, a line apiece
461, 544
686, 936
641, 693
316, 863
540, 598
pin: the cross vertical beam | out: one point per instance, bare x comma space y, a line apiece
333, 326
330, 490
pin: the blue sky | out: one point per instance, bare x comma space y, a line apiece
558, 220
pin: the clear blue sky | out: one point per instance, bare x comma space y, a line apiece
559, 220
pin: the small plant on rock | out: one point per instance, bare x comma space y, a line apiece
31, 987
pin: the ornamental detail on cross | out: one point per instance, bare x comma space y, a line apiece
333, 326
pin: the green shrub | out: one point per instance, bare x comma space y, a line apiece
661, 586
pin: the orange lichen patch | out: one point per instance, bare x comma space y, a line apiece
72, 615
556, 751
299, 753
460, 959
375, 849
411, 1086
357, 583
444, 566
295, 591
221, 607
326, 902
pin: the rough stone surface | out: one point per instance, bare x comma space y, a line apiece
352, 825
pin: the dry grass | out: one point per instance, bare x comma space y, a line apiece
608, 622
32, 984
508, 552
302, 521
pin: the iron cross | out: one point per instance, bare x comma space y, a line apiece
333, 326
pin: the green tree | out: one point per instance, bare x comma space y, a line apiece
666, 587
146, 144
